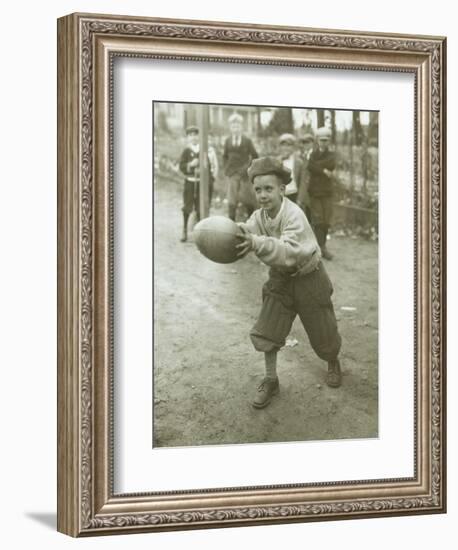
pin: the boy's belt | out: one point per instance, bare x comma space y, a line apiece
308, 266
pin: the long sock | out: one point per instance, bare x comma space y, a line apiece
325, 233
271, 364
185, 222
184, 237
319, 233
316, 230
232, 211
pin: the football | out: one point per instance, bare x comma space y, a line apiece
216, 238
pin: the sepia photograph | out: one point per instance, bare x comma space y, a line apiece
251, 301
265, 288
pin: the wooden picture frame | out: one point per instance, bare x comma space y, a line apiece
87, 44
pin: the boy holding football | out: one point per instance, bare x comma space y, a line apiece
281, 237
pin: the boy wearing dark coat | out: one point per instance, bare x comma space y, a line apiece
321, 188
189, 167
306, 142
238, 153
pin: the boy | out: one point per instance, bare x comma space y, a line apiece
239, 151
306, 142
290, 160
213, 164
189, 167
321, 189
281, 237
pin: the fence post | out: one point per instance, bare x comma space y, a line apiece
203, 121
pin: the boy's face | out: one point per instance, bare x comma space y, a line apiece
306, 146
235, 128
286, 150
323, 144
269, 190
193, 138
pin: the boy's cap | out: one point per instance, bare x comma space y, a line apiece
268, 165
192, 130
323, 133
306, 137
289, 139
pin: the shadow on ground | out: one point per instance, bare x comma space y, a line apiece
49, 520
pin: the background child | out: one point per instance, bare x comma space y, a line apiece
238, 153
280, 236
292, 162
306, 142
189, 167
321, 188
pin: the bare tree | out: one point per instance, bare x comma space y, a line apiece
320, 118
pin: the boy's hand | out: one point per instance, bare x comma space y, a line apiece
246, 243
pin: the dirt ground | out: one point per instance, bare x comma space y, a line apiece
206, 370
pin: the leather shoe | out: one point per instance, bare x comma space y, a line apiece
334, 376
268, 388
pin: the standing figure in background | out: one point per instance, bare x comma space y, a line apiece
291, 161
306, 142
238, 153
213, 164
321, 165
189, 167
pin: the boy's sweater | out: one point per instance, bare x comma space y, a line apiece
286, 242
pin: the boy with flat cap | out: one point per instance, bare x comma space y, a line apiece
281, 237
189, 167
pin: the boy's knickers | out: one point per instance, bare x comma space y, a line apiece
309, 296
